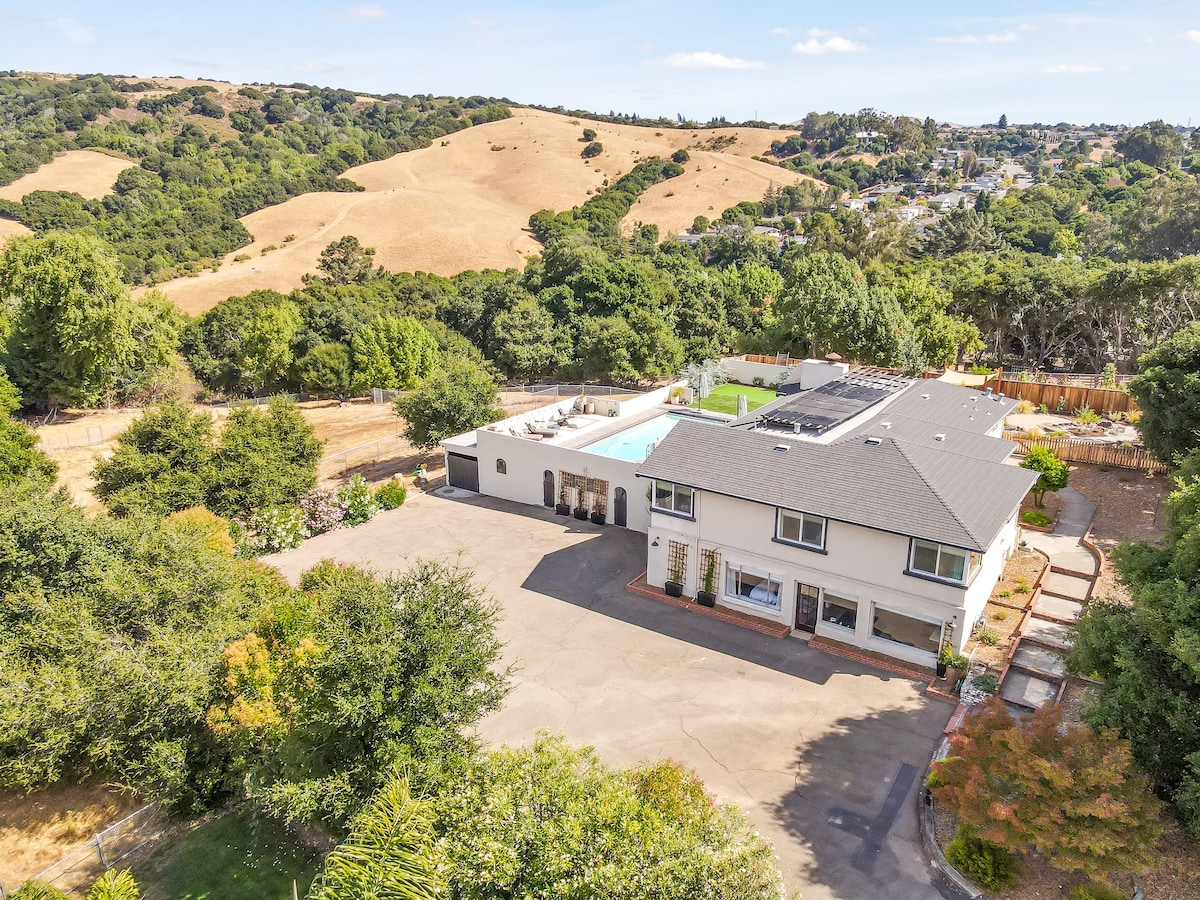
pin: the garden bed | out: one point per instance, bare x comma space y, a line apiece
1006, 608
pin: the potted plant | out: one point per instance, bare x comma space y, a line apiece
563, 508
706, 597
674, 585
959, 665
943, 661
598, 511
581, 512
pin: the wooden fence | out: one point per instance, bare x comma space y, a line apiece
1102, 400
1121, 456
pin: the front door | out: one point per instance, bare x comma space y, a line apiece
547, 488
620, 505
808, 599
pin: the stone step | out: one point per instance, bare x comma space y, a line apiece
1072, 587
1039, 658
1047, 632
1052, 607
1031, 691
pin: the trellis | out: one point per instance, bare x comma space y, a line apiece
677, 561
590, 493
710, 557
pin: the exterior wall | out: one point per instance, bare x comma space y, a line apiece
744, 372
860, 564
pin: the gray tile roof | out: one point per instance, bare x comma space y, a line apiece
946, 404
927, 434
897, 486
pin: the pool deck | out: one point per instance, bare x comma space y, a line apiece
577, 439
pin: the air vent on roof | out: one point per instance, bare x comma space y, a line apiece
874, 441
885, 424
781, 448
924, 396
939, 437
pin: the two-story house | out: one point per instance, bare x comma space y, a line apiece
873, 510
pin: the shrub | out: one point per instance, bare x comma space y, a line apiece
979, 370
595, 148
988, 865
758, 382
288, 238
1022, 587
323, 511
1037, 518
988, 636
1025, 406
276, 528
987, 682
589, 135
1000, 615
1034, 432
1085, 415
391, 495
356, 500
1095, 891
267, 249
241, 257
1005, 593
1043, 409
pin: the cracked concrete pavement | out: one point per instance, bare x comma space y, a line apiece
794, 736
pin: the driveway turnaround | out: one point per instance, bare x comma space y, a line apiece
824, 755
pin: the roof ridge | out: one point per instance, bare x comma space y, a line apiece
946, 506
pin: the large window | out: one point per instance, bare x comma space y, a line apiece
839, 611
751, 586
902, 629
800, 528
941, 561
672, 498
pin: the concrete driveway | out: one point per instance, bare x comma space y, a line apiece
824, 755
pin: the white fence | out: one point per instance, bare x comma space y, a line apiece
106, 849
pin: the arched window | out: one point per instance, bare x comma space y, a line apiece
501, 467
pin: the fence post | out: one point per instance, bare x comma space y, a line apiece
100, 853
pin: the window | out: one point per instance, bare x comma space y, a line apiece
901, 629
839, 611
501, 467
672, 498
800, 528
941, 561
752, 587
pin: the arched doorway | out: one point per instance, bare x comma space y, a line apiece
620, 506
548, 488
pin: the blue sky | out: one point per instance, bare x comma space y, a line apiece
1081, 61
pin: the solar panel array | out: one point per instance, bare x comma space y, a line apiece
833, 403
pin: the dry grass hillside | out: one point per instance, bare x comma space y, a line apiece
9, 228
465, 202
84, 172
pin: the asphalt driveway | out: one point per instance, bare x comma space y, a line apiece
824, 755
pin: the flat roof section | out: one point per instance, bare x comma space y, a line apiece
828, 405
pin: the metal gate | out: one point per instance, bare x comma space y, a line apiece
620, 506
462, 472
547, 488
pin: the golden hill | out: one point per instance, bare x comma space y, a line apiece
84, 172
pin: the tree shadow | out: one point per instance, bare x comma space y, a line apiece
854, 805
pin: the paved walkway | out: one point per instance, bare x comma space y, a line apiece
1064, 545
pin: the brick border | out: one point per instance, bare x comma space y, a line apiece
762, 626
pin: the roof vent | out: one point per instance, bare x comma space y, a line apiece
924, 396
939, 437
781, 448
874, 441
1000, 396
989, 392
885, 424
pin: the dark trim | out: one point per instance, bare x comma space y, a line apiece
672, 514
809, 548
461, 455
936, 580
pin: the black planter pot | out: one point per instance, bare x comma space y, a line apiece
705, 598
581, 513
940, 668
597, 518
674, 589
562, 509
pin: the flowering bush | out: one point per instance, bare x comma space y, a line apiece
390, 495
277, 528
357, 502
323, 511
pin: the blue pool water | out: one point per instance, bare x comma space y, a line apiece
635, 443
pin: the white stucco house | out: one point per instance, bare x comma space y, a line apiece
872, 509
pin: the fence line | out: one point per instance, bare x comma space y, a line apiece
568, 390
105, 850
1071, 398
259, 401
93, 435
1121, 456
374, 451
1070, 379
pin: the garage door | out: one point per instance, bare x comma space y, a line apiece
462, 472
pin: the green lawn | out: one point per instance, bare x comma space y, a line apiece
724, 398
235, 857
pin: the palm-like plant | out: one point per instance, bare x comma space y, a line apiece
114, 885
37, 890
388, 855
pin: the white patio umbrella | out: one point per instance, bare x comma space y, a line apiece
705, 389
743, 406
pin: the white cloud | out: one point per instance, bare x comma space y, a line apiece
1193, 35
782, 31
706, 60
1000, 37
70, 29
1064, 69
366, 11
821, 42
315, 68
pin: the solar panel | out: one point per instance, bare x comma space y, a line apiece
833, 403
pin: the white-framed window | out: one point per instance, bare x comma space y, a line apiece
672, 498
910, 631
751, 586
942, 561
839, 611
803, 529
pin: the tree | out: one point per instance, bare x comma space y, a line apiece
265, 352
325, 369
526, 342
1053, 472
71, 329
1167, 389
589, 135
393, 353
1145, 652
346, 261
388, 854
1066, 792
458, 397
545, 820
1155, 143
19, 456
1002, 122
339, 687
961, 231
595, 148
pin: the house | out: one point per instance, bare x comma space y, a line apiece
872, 509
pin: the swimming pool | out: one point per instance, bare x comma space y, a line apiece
635, 443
